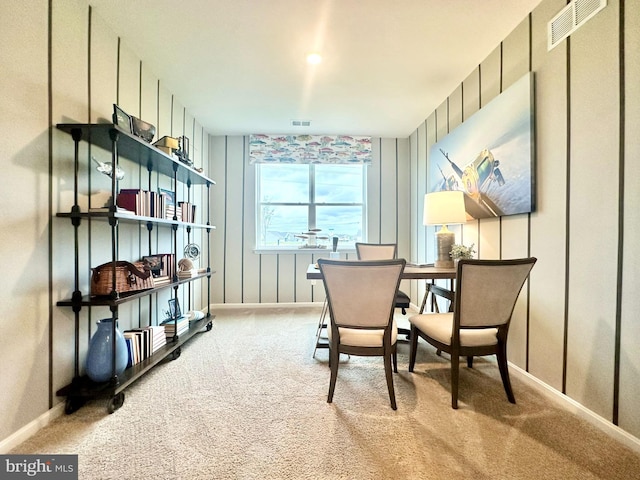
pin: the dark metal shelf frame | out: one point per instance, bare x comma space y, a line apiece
122, 144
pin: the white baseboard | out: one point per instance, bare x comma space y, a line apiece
576, 408
257, 306
547, 391
31, 428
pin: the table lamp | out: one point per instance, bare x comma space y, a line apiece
444, 208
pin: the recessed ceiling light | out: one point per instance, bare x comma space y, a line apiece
314, 58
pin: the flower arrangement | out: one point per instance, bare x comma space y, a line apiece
460, 251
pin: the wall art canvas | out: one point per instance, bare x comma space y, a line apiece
490, 156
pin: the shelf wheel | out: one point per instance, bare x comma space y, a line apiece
209, 326
115, 402
176, 353
72, 404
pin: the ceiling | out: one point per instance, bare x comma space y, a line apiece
239, 67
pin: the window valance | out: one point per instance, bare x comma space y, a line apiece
334, 149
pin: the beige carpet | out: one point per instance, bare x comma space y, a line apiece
247, 401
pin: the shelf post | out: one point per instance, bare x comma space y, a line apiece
114, 135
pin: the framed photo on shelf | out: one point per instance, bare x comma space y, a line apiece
154, 263
121, 119
174, 309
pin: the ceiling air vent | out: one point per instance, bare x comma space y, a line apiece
570, 18
301, 123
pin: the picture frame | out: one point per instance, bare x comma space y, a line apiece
174, 309
121, 119
154, 263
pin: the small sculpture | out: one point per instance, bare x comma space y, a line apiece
312, 236
107, 169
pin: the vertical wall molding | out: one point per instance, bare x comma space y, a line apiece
397, 186
226, 203
621, 194
535, 163
243, 210
567, 266
118, 73
50, 346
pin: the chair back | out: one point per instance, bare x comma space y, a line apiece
361, 294
376, 251
487, 291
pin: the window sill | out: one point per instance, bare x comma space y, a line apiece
295, 251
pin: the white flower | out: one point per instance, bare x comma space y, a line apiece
460, 251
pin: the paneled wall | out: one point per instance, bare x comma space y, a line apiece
75, 76
244, 276
575, 327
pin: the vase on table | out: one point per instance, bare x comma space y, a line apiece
99, 367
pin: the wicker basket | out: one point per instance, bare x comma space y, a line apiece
130, 277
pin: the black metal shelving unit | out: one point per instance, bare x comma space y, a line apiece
122, 144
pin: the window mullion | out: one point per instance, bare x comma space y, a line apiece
312, 196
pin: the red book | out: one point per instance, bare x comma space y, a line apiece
129, 200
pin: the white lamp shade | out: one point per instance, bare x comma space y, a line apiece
444, 208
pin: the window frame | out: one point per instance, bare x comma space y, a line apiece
311, 206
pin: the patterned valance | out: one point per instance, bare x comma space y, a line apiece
335, 149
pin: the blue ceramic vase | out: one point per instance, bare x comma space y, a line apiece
99, 364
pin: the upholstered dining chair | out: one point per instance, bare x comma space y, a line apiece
383, 251
361, 299
486, 294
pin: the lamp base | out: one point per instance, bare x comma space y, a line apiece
444, 241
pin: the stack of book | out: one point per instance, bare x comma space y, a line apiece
158, 339
193, 272
187, 211
162, 280
173, 327
159, 204
143, 342
170, 204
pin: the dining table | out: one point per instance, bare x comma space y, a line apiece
412, 271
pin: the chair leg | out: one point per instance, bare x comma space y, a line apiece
395, 359
413, 342
470, 361
455, 374
389, 375
334, 360
504, 371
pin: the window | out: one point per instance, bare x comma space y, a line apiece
296, 199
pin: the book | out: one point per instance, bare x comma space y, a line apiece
130, 359
175, 327
194, 272
187, 211
188, 273
119, 210
133, 344
162, 280
170, 196
158, 338
132, 200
